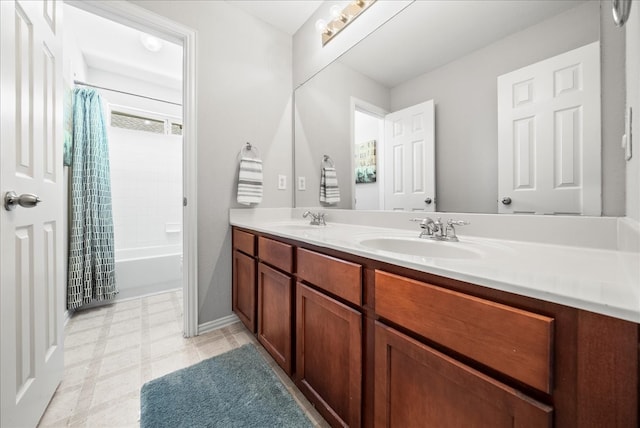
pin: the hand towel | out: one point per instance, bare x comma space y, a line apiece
250, 181
329, 190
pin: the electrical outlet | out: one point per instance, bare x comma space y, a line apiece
302, 183
282, 182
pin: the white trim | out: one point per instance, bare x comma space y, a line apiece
216, 324
142, 19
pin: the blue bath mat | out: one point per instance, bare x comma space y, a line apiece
235, 389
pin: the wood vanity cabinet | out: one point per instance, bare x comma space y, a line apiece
244, 278
275, 301
416, 385
378, 345
329, 337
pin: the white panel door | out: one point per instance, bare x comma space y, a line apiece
31, 257
549, 135
409, 173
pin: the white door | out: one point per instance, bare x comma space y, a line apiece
549, 136
409, 171
31, 257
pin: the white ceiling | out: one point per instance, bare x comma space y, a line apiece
112, 47
285, 15
109, 46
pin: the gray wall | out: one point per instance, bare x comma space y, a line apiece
465, 94
244, 88
323, 126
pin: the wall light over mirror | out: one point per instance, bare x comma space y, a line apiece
452, 53
341, 16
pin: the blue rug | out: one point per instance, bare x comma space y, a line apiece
235, 389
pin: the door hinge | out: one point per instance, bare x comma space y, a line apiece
184, 201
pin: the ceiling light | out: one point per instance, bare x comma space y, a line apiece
150, 42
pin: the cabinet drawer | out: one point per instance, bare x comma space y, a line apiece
415, 385
512, 341
244, 241
276, 253
344, 279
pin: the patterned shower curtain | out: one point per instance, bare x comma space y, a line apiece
91, 246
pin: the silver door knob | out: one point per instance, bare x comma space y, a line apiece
428, 201
26, 200
506, 200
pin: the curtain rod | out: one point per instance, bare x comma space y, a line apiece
77, 82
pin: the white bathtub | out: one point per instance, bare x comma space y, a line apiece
148, 270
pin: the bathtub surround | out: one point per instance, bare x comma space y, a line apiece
91, 275
151, 270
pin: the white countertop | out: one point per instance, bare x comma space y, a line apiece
598, 280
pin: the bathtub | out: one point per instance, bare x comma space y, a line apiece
148, 270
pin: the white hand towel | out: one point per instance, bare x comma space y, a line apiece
329, 190
250, 181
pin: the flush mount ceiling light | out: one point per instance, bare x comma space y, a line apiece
150, 42
341, 18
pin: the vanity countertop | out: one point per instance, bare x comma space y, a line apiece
602, 281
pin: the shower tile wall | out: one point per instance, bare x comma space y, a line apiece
146, 180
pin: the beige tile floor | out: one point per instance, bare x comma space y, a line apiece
111, 351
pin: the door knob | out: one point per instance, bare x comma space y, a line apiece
506, 200
26, 200
428, 201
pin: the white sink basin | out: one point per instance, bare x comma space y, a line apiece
423, 247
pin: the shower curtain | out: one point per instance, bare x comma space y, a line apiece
91, 245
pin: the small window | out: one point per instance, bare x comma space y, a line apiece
176, 129
136, 123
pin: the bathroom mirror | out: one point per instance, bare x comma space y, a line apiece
453, 53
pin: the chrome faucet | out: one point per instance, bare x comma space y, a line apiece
317, 219
428, 226
437, 231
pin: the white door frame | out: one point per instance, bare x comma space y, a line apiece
134, 16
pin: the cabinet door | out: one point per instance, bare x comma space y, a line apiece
275, 321
417, 386
244, 289
329, 356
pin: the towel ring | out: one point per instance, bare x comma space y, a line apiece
250, 151
327, 161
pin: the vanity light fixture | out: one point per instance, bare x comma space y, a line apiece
341, 17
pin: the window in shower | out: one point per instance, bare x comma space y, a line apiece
147, 123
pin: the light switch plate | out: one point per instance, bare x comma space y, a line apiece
302, 183
282, 182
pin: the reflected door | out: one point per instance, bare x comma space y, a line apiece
31, 262
549, 136
409, 172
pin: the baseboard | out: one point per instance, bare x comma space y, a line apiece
66, 317
216, 324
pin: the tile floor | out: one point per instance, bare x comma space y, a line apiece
111, 351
